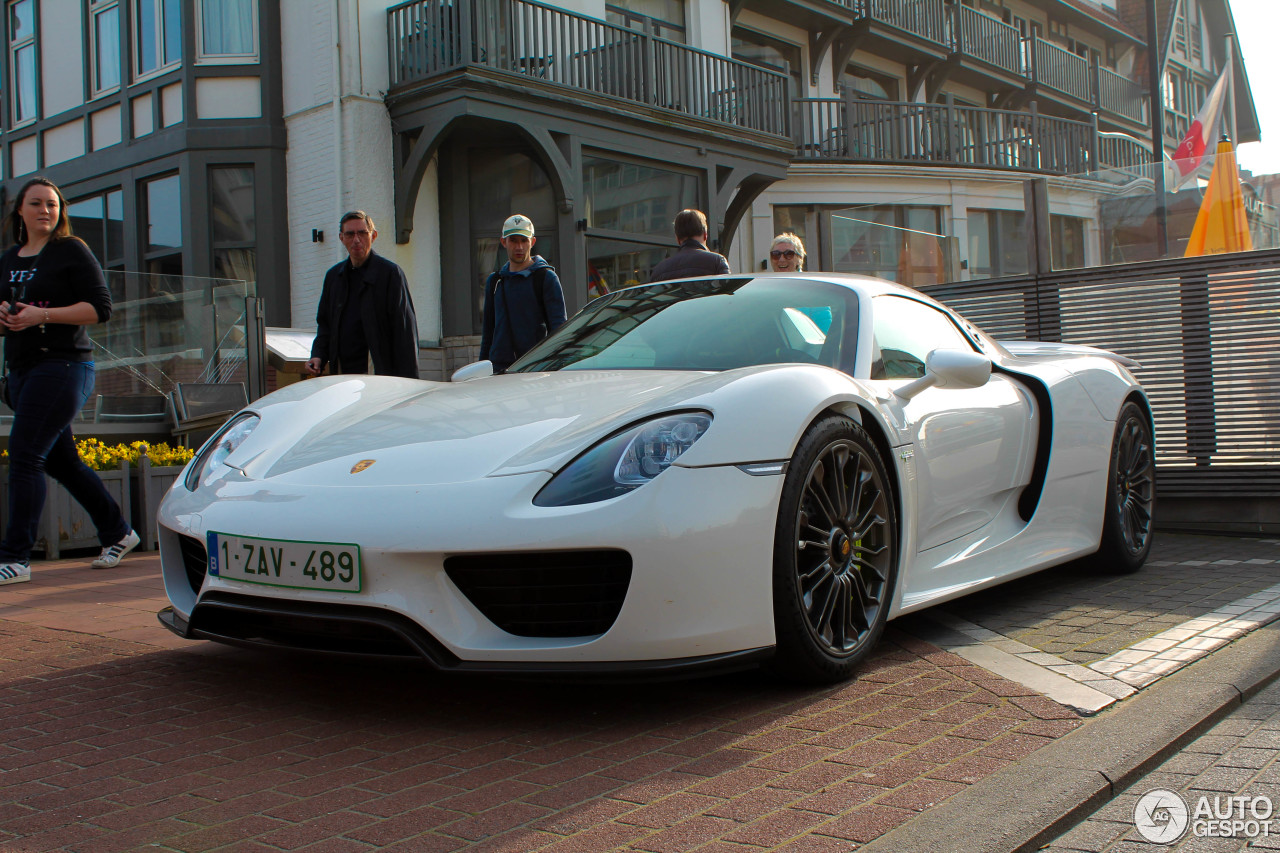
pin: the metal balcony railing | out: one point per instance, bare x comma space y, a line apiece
942, 134
1060, 69
924, 18
1120, 95
554, 47
983, 37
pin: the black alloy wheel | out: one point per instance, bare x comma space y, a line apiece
835, 553
1131, 493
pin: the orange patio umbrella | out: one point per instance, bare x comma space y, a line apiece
1221, 225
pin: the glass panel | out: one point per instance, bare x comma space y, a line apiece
1067, 242
227, 27
86, 223
24, 84
106, 33
167, 329
633, 198
997, 243
232, 200
616, 264
503, 183
172, 31
238, 264
164, 214
22, 20
145, 35
115, 225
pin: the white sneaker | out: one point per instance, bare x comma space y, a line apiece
14, 573
113, 554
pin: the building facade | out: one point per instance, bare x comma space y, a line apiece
224, 138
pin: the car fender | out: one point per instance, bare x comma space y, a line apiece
761, 416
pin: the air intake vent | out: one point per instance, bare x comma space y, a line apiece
545, 594
195, 560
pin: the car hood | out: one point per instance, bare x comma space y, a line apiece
315, 432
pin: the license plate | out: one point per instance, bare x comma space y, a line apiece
281, 562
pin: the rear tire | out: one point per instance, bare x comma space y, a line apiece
1131, 494
835, 557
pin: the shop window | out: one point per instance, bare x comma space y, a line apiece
997, 243
233, 220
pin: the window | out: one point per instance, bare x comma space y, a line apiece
22, 59
862, 83
163, 251
629, 213
1066, 240
906, 332
228, 31
997, 243
105, 44
758, 49
234, 222
898, 242
157, 28
662, 18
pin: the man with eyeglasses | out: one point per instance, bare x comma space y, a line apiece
693, 257
365, 314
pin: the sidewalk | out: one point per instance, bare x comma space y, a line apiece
121, 736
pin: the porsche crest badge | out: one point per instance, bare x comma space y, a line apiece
361, 465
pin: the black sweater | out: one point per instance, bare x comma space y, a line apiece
65, 273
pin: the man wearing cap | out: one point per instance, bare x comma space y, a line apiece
523, 301
366, 313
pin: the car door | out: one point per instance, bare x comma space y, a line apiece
973, 447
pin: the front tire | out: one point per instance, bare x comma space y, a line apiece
1131, 493
835, 554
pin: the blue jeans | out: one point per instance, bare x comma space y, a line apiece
45, 398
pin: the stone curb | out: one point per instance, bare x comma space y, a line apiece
1032, 802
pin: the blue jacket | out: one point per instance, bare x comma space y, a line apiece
513, 319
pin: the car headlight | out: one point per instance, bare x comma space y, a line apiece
624, 461
222, 445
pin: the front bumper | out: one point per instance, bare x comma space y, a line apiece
699, 594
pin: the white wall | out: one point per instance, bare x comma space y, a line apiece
340, 152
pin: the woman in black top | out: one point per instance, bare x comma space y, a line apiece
51, 287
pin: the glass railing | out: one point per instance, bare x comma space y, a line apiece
165, 329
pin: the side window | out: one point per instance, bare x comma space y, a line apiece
906, 332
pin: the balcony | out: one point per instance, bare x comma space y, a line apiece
1060, 70
992, 41
922, 18
909, 133
1119, 95
564, 53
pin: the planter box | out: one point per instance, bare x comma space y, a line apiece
150, 486
65, 524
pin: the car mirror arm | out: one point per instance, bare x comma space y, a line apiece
949, 368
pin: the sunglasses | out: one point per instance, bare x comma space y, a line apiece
788, 254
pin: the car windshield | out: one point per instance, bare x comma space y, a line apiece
706, 324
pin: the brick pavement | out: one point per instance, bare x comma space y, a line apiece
119, 739
1240, 756
120, 736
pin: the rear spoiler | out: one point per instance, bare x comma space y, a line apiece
1033, 349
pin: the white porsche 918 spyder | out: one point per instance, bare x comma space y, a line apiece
705, 473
